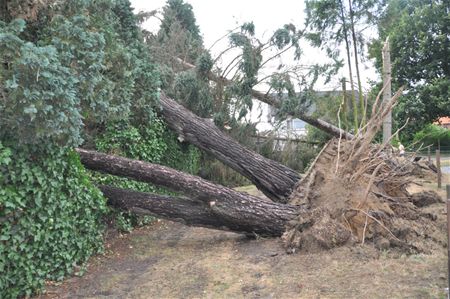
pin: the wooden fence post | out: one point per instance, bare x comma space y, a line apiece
438, 165
429, 154
387, 94
448, 238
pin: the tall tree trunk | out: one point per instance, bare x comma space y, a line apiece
358, 77
272, 101
345, 104
275, 180
349, 60
266, 218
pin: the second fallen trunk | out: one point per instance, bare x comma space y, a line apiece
270, 219
275, 180
238, 211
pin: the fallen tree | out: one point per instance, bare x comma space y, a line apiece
275, 180
270, 221
355, 191
229, 209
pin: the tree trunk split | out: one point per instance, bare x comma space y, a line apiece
227, 208
275, 180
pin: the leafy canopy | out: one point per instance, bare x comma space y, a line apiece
420, 53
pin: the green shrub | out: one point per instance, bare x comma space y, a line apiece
432, 135
152, 143
50, 217
65, 73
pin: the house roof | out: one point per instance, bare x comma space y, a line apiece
443, 121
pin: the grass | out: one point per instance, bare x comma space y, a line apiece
250, 189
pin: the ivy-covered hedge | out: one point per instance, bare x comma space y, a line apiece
50, 217
70, 71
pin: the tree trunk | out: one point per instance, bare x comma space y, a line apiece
231, 206
275, 180
272, 101
358, 76
347, 49
266, 219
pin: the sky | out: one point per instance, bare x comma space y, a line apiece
216, 18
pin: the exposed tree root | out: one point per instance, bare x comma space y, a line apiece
364, 198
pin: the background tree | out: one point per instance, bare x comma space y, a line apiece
418, 34
334, 22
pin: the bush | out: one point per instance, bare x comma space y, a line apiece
432, 135
152, 143
66, 72
50, 217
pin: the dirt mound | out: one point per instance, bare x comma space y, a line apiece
356, 192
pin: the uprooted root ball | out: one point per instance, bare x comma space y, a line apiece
356, 191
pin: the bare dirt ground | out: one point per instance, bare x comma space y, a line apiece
170, 260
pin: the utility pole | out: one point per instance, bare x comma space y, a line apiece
387, 93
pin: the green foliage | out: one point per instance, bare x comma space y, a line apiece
297, 156
179, 37
152, 143
72, 69
215, 171
144, 143
333, 23
204, 64
193, 93
433, 135
39, 98
294, 155
87, 61
317, 135
177, 11
420, 51
329, 22
123, 139
181, 156
179, 34
50, 217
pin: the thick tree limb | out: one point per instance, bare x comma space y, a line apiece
270, 100
232, 206
275, 180
268, 220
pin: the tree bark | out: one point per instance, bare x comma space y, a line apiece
228, 204
272, 101
358, 76
275, 180
347, 48
266, 218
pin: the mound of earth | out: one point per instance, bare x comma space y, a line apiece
357, 192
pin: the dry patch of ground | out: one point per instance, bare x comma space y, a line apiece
170, 260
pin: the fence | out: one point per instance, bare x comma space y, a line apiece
441, 159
